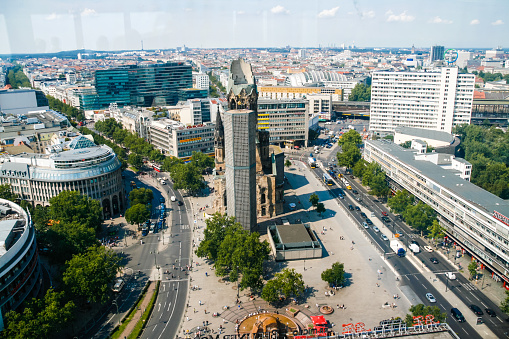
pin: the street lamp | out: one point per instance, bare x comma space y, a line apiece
238, 277
155, 260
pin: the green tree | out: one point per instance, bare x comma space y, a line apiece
379, 186
201, 161
435, 231
270, 292
170, 162
349, 156
141, 196
359, 168
389, 137
400, 201
6, 192
421, 310
351, 137
90, 274
288, 163
218, 227
187, 177
472, 269
41, 318
71, 206
135, 160
504, 306
137, 214
157, 156
320, 208
313, 199
334, 276
290, 283
65, 239
360, 92
419, 216
406, 144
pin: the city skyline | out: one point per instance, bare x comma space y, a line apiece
53, 26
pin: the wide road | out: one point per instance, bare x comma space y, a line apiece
174, 259
420, 284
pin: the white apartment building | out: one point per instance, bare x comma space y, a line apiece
201, 81
178, 140
320, 104
430, 100
474, 219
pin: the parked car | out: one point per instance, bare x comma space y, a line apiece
490, 312
365, 224
384, 237
456, 314
161, 200
376, 229
357, 208
368, 221
350, 207
476, 309
430, 298
433, 260
428, 248
362, 214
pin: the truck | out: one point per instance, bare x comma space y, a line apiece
397, 247
414, 248
312, 162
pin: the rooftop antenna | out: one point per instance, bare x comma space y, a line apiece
142, 45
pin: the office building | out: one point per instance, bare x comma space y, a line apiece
22, 101
195, 112
430, 100
79, 166
201, 81
286, 92
20, 269
185, 94
474, 219
463, 58
179, 140
286, 120
142, 85
436, 53
497, 53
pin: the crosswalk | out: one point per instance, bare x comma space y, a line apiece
469, 286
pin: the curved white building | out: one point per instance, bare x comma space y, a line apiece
314, 77
20, 271
89, 169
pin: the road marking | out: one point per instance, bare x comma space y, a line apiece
474, 296
169, 307
443, 307
423, 285
154, 328
173, 310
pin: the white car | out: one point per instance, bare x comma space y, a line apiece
173, 199
376, 229
365, 225
430, 298
428, 248
450, 275
384, 237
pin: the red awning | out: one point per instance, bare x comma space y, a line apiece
318, 320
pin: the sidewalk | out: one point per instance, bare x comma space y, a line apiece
137, 316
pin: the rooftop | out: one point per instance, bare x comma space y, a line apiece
425, 133
293, 233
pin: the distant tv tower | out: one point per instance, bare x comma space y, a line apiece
142, 45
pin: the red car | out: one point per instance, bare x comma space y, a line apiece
384, 213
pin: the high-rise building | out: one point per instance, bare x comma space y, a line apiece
201, 81
431, 100
144, 85
436, 53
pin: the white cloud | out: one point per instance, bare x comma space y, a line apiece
497, 23
279, 10
368, 14
439, 20
328, 13
188, 9
52, 16
403, 17
241, 13
88, 11
475, 22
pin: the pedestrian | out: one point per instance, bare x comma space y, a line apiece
187, 318
199, 302
194, 310
205, 311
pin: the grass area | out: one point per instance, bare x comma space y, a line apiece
142, 322
127, 320
134, 169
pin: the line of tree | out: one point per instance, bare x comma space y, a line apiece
285, 284
72, 112
419, 216
319, 206
67, 228
488, 77
235, 252
16, 78
360, 92
140, 206
487, 149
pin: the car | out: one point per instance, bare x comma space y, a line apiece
386, 220
349, 187
350, 207
476, 309
490, 312
384, 237
430, 298
399, 216
398, 234
368, 221
384, 213
414, 242
365, 224
173, 198
341, 196
450, 275
180, 203
119, 283
161, 200
355, 192
428, 248
357, 208
362, 214
433, 260
456, 314
376, 229
144, 232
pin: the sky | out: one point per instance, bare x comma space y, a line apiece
43, 26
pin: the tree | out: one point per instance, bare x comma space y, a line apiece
334, 276
359, 168
360, 92
135, 160
157, 156
201, 161
170, 162
472, 269
41, 318
351, 137
288, 163
379, 186
349, 156
68, 238
400, 201
290, 283
141, 196
389, 137
187, 177
137, 214
421, 310
90, 274
218, 227
270, 292
435, 231
504, 306
6, 192
71, 206
406, 144
320, 208
419, 216
313, 199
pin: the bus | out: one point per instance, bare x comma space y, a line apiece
156, 167
327, 179
312, 162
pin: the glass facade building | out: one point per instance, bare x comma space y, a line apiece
143, 85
